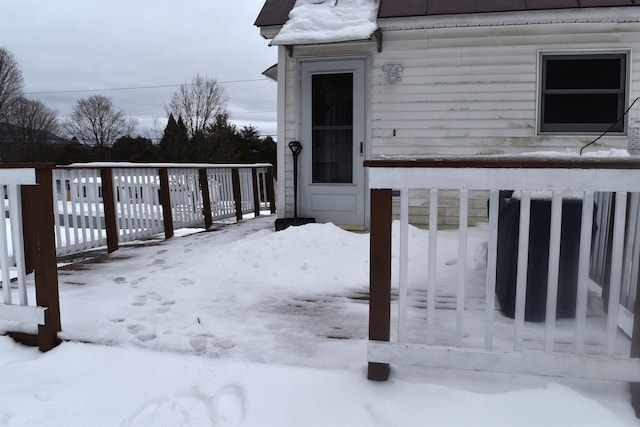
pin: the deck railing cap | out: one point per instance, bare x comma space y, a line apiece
127, 165
508, 161
27, 165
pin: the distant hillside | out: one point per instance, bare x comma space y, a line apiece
8, 136
13, 150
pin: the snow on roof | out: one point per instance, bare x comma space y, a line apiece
327, 21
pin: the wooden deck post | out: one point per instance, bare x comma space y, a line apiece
206, 198
271, 197
165, 201
109, 201
237, 192
45, 264
256, 191
380, 277
41, 252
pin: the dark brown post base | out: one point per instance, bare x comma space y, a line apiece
378, 371
44, 341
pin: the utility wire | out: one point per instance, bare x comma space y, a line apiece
136, 87
612, 126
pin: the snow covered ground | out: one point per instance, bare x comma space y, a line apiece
245, 326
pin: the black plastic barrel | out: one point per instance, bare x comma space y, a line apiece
538, 263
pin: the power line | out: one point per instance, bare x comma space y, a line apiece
136, 87
231, 114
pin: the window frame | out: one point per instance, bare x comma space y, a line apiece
583, 128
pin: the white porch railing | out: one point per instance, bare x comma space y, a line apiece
15, 302
137, 199
186, 198
221, 193
136, 204
79, 210
587, 345
27, 245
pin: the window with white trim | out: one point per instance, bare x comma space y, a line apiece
583, 93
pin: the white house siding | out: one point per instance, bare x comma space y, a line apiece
470, 85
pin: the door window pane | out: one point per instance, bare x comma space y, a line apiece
332, 128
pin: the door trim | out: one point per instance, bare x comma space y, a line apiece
332, 65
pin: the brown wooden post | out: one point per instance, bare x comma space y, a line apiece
256, 191
380, 277
44, 258
271, 198
206, 199
237, 193
165, 201
109, 201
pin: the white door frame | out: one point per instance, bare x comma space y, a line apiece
333, 201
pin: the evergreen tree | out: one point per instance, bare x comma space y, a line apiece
268, 153
223, 143
139, 149
173, 145
252, 141
258, 150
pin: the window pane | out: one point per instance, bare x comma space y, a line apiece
581, 109
332, 128
332, 99
332, 156
583, 73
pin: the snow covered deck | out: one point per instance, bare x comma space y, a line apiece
246, 326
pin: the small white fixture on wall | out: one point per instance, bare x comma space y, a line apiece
394, 71
634, 138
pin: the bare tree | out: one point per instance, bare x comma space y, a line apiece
11, 83
94, 121
31, 123
198, 103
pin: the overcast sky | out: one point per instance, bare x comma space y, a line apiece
72, 49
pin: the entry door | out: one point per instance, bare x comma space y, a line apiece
331, 172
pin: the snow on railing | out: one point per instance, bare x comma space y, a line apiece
104, 204
459, 325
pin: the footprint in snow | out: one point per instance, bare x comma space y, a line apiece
138, 280
231, 405
141, 333
199, 344
140, 300
190, 409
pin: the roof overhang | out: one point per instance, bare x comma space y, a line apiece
271, 72
270, 32
376, 37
